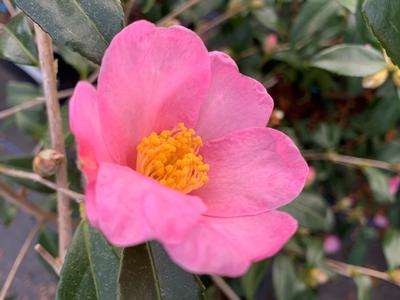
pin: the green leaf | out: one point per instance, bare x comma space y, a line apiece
383, 18
391, 248
90, 270
364, 287
350, 60
86, 26
351, 5
148, 273
33, 121
267, 17
17, 43
312, 19
251, 281
7, 212
311, 211
285, 280
379, 184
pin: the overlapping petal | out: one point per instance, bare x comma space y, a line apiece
227, 246
151, 79
84, 123
132, 208
252, 171
234, 101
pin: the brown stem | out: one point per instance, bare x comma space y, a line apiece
18, 260
218, 20
54, 263
10, 7
177, 11
36, 178
351, 160
28, 207
350, 270
224, 287
33, 103
45, 49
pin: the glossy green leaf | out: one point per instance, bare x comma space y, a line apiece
90, 270
267, 17
86, 26
251, 281
379, 184
364, 287
148, 273
17, 43
351, 5
350, 60
383, 18
391, 248
312, 19
311, 211
285, 280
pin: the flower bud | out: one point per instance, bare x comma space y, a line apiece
394, 184
270, 43
332, 244
394, 275
46, 162
316, 277
276, 117
310, 176
380, 220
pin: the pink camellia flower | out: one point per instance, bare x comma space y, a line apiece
174, 148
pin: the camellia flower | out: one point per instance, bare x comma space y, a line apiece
174, 148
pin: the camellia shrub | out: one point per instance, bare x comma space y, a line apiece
242, 149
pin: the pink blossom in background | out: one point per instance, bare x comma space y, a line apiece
380, 220
271, 42
332, 244
174, 148
394, 184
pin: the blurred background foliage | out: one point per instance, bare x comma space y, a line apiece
336, 94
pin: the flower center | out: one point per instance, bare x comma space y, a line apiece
172, 158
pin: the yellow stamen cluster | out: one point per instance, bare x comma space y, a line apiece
172, 158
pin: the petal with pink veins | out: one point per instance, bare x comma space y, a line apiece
227, 246
251, 171
132, 208
150, 80
234, 101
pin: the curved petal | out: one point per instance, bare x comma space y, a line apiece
132, 208
150, 80
84, 124
251, 171
234, 101
227, 246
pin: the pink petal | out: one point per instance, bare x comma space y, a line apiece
234, 101
227, 246
251, 171
150, 80
132, 208
84, 123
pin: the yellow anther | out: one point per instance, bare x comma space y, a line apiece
172, 158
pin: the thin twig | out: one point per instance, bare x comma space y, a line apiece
46, 58
10, 7
224, 287
351, 160
218, 20
33, 103
54, 263
28, 207
22, 253
36, 178
177, 11
351, 270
